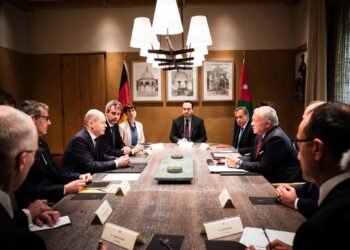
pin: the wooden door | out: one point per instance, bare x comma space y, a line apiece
83, 88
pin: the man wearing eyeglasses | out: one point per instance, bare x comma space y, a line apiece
272, 154
18, 137
44, 181
324, 155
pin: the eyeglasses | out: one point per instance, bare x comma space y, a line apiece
47, 118
298, 141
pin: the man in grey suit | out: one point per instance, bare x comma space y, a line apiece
188, 127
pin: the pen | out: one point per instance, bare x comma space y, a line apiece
99, 246
267, 237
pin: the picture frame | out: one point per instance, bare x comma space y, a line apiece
182, 85
146, 83
300, 74
218, 80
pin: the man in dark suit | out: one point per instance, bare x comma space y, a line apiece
44, 181
111, 140
83, 154
272, 154
324, 154
188, 127
243, 134
19, 134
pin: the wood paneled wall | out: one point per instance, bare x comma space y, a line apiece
270, 72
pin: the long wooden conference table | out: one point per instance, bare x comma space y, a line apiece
178, 208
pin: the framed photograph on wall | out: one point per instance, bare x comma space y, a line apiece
182, 85
218, 80
146, 83
300, 74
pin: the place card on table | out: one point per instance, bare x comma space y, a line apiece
204, 146
225, 199
123, 188
221, 228
157, 146
102, 213
121, 236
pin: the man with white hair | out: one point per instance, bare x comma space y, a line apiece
272, 154
324, 154
19, 140
83, 154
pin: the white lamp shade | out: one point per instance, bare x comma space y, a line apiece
197, 63
198, 33
144, 49
201, 49
166, 20
142, 33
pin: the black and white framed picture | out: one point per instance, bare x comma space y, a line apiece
300, 75
182, 85
218, 80
146, 83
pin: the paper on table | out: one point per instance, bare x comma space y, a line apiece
256, 237
63, 220
112, 188
121, 177
224, 168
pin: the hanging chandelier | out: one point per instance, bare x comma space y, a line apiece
167, 22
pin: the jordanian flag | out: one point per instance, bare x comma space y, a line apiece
244, 98
124, 91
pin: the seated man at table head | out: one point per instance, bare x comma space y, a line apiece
324, 154
272, 154
243, 134
111, 139
20, 136
131, 130
188, 127
44, 181
302, 197
83, 154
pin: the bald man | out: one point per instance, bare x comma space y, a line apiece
83, 154
18, 133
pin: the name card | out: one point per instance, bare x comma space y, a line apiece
121, 236
225, 199
102, 213
157, 146
123, 188
185, 145
204, 146
221, 228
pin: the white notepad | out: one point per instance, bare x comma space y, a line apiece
63, 220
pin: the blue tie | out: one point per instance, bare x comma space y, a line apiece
239, 136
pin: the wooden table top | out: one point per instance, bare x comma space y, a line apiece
179, 209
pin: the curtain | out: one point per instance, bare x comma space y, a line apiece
316, 75
339, 50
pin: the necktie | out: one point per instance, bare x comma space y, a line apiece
239, 136
187, 130
258, 147
113, 136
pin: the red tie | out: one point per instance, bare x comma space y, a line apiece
258, 147
187, 130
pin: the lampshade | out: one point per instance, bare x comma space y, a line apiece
142, 33
166, 20
198, 33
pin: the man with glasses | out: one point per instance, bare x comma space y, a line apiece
44, 181
272, 154
324, 154
18, 137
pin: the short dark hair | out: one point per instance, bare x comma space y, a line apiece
330, 122
188, 101
244, 109
7, 99
128, 107
32, 107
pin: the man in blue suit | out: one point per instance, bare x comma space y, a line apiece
272, 154
83, 154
